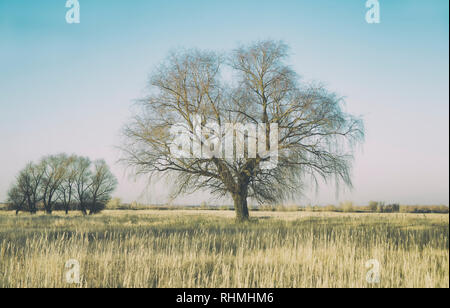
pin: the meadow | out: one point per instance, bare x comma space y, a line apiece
194, 248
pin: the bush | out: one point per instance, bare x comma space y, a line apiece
373, 206
95, 208
395, 208
347, 207
438, 209
6, 207
331, 208
381, 207
266, 208
114, 203
309, 208
286, 208
60, 207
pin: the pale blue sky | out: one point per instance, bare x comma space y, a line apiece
69, 87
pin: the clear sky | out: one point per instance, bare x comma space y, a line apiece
69, 87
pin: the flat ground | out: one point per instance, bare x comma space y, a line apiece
193, 248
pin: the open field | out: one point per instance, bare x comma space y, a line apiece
208, 249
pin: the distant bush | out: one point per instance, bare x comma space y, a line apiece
114, 203
95, 208
330, 208
287, 208
309, 208
62, 207
347, 207
373, 206
381, 207
438, 209
266, 208
225, 208
5, 207
392, 208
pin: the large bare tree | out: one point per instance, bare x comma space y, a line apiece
192, 92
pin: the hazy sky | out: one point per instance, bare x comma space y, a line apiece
69, 87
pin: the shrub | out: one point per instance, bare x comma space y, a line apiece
381, 207
331, 208
395, 208
95, 208
347, 206
267, 208
373, 206
309, 208
114, 203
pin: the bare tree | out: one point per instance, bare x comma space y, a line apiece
83, 182
29, 184
54, 168
16, 198
67, 187
103, 183
316, 136
20, 194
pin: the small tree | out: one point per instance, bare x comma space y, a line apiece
66, 188
373, 206
392, 208
103, 183
396, 208
114, 203
28, 186
347, 206
381, 208
83, 182
16, 199
54, 168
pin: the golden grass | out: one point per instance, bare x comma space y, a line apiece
208, 249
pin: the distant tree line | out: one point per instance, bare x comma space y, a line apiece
381, 207
62, 182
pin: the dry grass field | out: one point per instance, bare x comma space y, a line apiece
208, 249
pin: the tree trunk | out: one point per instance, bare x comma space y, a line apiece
240, 206
83, 209
48, 209
33, 209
